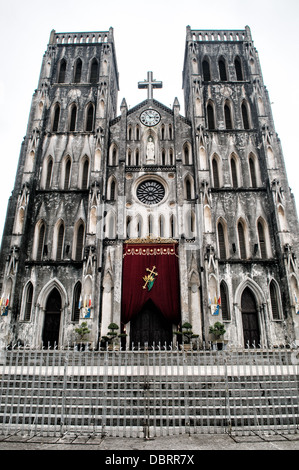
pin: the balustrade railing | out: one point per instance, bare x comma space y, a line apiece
147, 393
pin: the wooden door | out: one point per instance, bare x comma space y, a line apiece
52, 319
250, 319
150, 327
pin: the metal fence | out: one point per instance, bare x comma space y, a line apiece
148, 393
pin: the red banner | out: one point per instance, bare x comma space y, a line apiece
150, 271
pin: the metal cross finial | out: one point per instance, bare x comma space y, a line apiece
150, 83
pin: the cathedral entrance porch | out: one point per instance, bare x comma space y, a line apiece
150, 292
150, 327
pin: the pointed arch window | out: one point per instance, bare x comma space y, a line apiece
150, 224
137, 132
139, 226
215, 173
172, 227
85, 174
89, 118
222, 70
79, 242
73, 118
275, 304
252, 172
262, 241
94, 69
161, 226
163, 157
67, 173
60, 240
242, 243
113, 155
206, 70
245, 116
187, 154
28, 301
112, 190
78, 71
129, 157
221, 241
40, 241
238, 68
234, 176
228, 116
224, 301
211, 118
49, 174
129, 226
137, 157
188, 189
56, 118
76, 302
62, 71
190, 225
171, 157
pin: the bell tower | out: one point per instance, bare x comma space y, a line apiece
249, 223
50, 231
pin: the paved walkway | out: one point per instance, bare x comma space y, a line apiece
171, 444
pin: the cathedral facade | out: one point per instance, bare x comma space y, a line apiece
149, 219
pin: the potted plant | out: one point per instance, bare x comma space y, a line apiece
82, 331
112, 336
186, 334
218, 331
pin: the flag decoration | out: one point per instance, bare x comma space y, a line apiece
87, 314
88, 311
218, 305
5, 310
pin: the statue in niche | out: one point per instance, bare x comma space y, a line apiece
150, 150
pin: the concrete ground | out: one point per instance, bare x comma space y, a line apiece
171, 444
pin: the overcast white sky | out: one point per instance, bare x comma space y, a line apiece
148, 36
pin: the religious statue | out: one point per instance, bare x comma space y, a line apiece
150, 150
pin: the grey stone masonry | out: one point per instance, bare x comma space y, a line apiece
218, 191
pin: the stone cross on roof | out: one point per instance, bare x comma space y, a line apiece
150, 83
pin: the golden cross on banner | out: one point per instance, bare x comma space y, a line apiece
150, 277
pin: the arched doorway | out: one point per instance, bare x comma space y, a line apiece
150, 326
50, 335
250, 322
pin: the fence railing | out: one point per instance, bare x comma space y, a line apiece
147, 393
